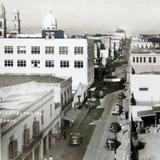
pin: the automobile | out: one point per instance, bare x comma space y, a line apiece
75, 138
115, 127
121, 95
111, 144
100, 94
91, 102
117, 109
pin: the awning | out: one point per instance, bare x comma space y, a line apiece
145, 113
72, 115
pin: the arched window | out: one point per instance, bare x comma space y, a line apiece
13, 148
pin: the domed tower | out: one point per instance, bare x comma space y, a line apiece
3, 27
49, 29
49, 22
16, 22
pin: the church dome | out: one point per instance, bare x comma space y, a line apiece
50, 22
2, 11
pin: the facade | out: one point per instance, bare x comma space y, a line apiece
145, 88
64, 57
16, 28
31, 118
145, 56
3, 25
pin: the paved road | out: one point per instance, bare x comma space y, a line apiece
77, 152
96, 149
93, 148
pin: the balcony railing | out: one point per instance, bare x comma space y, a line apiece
38, 137
27, 147
18, 157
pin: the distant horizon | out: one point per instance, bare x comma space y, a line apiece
88, 16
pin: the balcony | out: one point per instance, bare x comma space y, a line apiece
18, 157
37, 137
27, 147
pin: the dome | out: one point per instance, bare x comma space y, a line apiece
50, 22
2, 11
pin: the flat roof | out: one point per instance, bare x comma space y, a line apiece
15, 104
9, 80
145, 113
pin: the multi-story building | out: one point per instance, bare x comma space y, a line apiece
51, 53
69, 57
145, 56
32, 108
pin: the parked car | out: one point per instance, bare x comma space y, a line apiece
91, 102
117, 109
121, 95
75, 138
100, 94
115, 127
111, 144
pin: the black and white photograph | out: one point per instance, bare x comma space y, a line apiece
79, 80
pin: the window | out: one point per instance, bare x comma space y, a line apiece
154, 59
49, 50
35, 49
36, 127
63, 50
133, 59
143, 89
35, 63
64, 64
0, 24
21, 49
26, 136
8, 63
57, 105
21, 63
8, 49
42, 117
150, 60
137, 59
0, 33
49, 63
78, 50
144, 59
78, 64
13, 148
141, 59
51, 110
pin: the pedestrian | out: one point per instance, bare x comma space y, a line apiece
64, 134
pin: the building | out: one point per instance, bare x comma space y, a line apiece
3, 25
31, 114
50, 52
145, 56
16, 28
65, 57
145, 88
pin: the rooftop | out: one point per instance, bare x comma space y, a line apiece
9, 80
146, 50
15, 104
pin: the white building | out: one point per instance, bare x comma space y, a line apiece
32, 108
65, 57
145, 60
145, 88
52, 53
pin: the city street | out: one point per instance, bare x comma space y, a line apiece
95, 126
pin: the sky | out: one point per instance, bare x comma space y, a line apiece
91, 16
